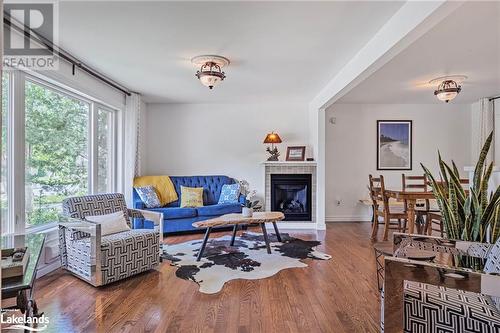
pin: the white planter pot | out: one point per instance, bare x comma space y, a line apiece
247, 212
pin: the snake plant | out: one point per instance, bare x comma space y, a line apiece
471, 214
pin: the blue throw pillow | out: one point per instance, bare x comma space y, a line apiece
148, 196
229, 194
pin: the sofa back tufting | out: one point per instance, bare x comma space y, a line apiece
212, 186
177, 219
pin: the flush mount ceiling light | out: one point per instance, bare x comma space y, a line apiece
448, 87
210, 73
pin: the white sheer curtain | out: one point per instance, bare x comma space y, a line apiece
496, 121
483, 116
132, 126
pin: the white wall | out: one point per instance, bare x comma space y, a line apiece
351, 148
496, 150
194, 139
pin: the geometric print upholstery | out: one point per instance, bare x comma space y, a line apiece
492, 265
95, 204
75, 253
128, 253
478, 250
122, 254
430, 308
409, 243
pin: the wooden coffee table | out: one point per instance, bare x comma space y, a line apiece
237, 219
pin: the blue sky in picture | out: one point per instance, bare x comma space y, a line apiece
396, 131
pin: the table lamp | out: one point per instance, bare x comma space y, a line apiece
272, 138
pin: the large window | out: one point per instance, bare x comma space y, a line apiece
69, 149
4, 167
57, 159
105, 150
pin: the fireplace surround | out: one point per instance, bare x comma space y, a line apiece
291, 194
287, 168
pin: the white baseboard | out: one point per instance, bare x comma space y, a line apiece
292, 225
47, 268
349, 218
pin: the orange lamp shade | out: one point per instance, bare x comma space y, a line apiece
272, 138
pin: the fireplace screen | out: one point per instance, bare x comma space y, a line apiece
291, 194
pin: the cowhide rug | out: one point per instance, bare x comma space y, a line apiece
247, 259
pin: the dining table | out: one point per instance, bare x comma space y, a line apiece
410, 197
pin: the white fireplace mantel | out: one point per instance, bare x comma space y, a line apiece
291, 163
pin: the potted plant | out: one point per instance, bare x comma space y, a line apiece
250, 205
470, 215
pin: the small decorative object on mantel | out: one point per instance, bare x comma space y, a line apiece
296, 153
272, 138
310, 159
14, 262
249, 205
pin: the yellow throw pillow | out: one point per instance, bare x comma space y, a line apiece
191, 196
163, 185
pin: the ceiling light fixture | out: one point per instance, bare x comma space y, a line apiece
449, 87
210, 73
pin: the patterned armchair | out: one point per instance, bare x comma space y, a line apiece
98, 259
422, 296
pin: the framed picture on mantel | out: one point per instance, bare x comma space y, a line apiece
394, 144
296, 153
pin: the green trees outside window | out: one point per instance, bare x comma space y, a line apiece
69, 149
3, 156
57, 154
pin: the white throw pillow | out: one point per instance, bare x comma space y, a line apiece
110, 223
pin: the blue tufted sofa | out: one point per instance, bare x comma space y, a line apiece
180, 219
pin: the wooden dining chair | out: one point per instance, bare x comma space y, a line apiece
382, 208
434, 219
423, 207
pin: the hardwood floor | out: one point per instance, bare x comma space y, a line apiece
339, 295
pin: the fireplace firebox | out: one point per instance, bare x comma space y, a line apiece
291, 194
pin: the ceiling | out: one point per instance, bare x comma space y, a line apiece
279, 51
466, 42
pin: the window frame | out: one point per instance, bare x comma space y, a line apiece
113, 121
16, 141
10, 216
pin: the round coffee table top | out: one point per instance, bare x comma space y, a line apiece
231, 219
